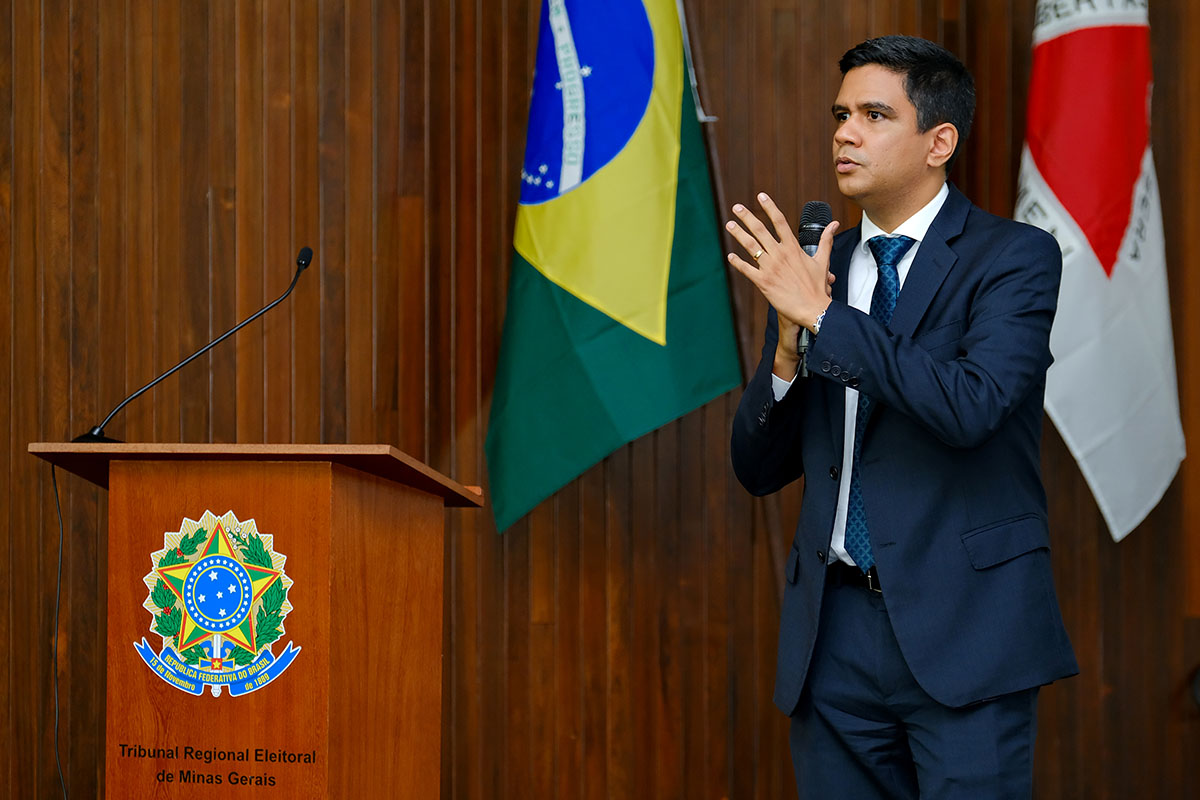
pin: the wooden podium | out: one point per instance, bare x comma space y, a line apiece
301, 588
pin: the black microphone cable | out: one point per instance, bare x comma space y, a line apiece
57, 595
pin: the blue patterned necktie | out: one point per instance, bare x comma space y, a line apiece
888, 251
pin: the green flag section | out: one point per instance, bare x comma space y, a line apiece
618, 315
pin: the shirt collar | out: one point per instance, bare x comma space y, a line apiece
914, 227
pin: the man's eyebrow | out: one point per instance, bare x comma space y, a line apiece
870, 105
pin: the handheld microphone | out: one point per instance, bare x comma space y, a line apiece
813, 220
96, 434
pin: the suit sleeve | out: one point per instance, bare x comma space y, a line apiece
765, 446
1004, 349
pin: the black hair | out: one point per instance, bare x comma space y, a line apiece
936, 82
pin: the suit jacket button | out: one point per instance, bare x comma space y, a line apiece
833, 473
820, 555
835, 371
846, 378
852, 383
825, 365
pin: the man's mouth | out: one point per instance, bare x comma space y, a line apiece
844, 164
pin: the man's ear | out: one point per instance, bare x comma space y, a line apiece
942, 144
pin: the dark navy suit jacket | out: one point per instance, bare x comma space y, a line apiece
950, 466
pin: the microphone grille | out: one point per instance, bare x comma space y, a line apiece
816, 212
813, 219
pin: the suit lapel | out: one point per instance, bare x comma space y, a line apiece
839, 261
932, 264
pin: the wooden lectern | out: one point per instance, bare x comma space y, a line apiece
274, 618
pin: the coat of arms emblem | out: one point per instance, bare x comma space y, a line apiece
218, 596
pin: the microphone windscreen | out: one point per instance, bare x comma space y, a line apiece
816, 215
304, 258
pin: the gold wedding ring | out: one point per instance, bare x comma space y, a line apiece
758, 254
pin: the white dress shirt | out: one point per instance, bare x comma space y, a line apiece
860, 285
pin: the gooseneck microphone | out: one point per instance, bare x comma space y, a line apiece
815, 217
96, 434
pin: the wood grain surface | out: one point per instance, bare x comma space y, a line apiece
161, 164
360, 702
293, 503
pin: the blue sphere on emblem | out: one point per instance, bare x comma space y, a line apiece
218, 593
591, 88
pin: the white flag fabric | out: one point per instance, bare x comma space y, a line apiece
1087, 177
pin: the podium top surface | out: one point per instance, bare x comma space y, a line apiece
91, 461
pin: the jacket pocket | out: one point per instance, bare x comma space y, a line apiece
943, 341
1005, 540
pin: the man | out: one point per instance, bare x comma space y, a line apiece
919, 616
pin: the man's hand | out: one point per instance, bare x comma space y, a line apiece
796, 285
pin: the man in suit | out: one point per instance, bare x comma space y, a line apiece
919, 616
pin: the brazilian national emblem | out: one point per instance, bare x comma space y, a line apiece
218, 598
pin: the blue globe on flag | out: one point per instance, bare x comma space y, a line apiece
591, 88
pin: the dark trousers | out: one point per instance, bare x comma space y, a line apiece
864, 729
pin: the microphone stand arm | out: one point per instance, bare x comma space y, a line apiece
96, 434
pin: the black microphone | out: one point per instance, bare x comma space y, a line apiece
815, 217
813, 220
96, 434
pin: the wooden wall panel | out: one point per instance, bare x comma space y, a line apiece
12, 714
160, 167
1174, 114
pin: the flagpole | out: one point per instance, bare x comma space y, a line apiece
701, 114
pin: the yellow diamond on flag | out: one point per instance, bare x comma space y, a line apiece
607, 240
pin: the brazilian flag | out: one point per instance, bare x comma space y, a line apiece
618, 314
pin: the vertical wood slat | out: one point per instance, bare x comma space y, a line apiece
644, 629
167, 303
11, 715
620, 723
1175, 68
440, 189
592, 693
516, 768
111, 258
471, 543
86, 732
26, 767
194, 256
563, 690
360, 220
248, 216
137, 422
620, 642
54, 304
491, 249
278, 250
307, 322
109, 206
1182, 63
331, 98
221, 185
667, 677
414, 243
540, 658
691, 712
388, 44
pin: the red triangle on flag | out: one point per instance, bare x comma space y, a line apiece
1088, 126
